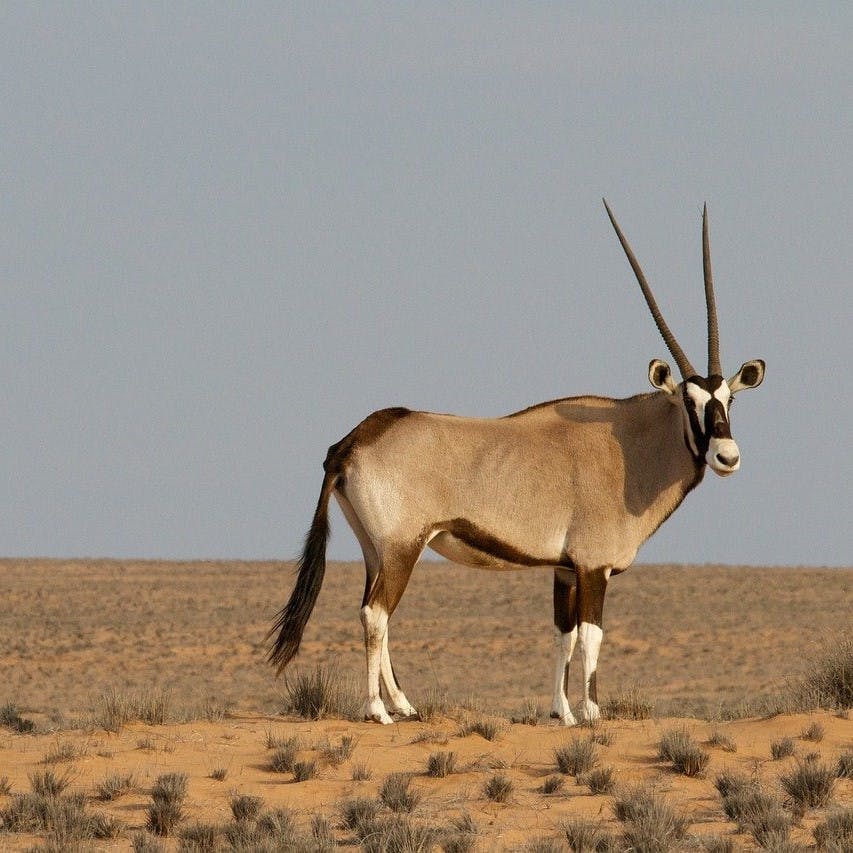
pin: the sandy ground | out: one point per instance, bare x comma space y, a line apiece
701, 641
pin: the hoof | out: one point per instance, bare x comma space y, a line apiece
407, 714
589, 712
382, 719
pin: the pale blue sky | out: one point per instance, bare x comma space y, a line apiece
228, 234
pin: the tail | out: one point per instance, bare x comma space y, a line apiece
293, 617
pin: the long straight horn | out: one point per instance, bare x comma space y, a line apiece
681, 359
714, 368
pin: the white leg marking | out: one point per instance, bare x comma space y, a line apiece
375, 622
565, 644
401, 705
589, 637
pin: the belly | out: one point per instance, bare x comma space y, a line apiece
458, 551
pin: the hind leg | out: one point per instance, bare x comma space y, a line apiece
382, 593
565, 636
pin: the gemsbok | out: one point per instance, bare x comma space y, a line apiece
576, 484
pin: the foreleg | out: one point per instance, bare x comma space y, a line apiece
592, 585
565, 636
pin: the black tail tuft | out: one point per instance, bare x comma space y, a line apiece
293, 617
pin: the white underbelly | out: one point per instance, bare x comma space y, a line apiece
457, 551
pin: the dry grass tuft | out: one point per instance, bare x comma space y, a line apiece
588, 836
651, 824
601, 780
199, 837
721, 741
167, 799
813, 732
488, 728
578, 756
632, 703
283, 757
114, 708
498, 788
338, 754
844, 765
397, 794
441, 764
553, 784
835, 832
321, 692
11, 719
114, 786
245, 806
810, 784
679, 747
782, 747
304, 770
829, 680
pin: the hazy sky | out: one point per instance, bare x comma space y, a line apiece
227, 234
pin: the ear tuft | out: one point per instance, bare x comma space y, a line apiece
661, 376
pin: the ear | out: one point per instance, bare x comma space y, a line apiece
750, 375
661, 376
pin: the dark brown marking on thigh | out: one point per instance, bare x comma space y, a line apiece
367, 432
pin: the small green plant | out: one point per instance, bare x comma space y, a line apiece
167, 798
441, 764
498, 788
304, 770
600, 780
578, 756
397, 794
678, 747
781, 748
813, 732
721, 741
631, 704
114, 786
835, 832
810, 784
245, 806
553, 784
11, 719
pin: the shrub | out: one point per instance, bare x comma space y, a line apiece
650, 823
399, 834
498, 788
600, 780
781, 748
757, 812
810, 784
245, 806
359, 814
336, 755
360, 772
722, 741
835, 832
678, 746
198, 838
487, 727
11, 719
322, 692
578, 756
441, 764
304, 770
844, 766
631, 704
219, 773
48, 784
829, 681
114, 785
460, 836
397, 794
553, 784
284, 757
585, 836
813, 732
167, 795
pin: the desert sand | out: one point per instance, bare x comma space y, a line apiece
712, 647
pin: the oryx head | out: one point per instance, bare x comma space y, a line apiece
706, 401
